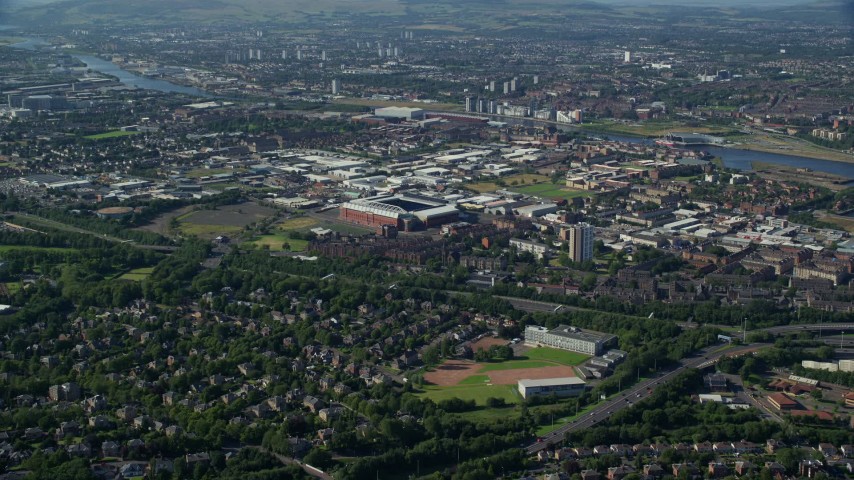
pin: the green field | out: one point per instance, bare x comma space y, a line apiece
490, 415
559, 422
204, 172
113, 134
511, 181
558, 356
514, 365
24, 248
205, 230
653, 128
137, 274
475, 380
297, 223
478, 393
276, 243
551, 191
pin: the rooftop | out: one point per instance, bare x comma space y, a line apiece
551, 382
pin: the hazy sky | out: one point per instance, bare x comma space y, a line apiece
689, 3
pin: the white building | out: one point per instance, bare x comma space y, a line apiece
569, 338
562, 387
538, 249
400, 112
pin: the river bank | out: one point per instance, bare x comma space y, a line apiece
757, 141
127, 77
743, 159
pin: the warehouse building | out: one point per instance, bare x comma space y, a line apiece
561, 387
569, 338
403, 113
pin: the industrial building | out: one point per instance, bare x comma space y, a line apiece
569, 338
406, 212
561, 387
400, 112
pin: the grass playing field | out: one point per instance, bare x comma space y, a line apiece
554, 355
473, 381
511, 181
551, 191
137, 274
205, 230
478, 393
297, 223
514, 365
277, 242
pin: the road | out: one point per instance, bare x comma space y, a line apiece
749, 398
705, 358
314, 472
638, 392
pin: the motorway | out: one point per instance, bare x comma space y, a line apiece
637, 392
705, 358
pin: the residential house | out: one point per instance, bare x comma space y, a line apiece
718, 470
772, 445
775, 469
590, 475
722, 448
330, 413
583, 452
622, 450
686, 470
132, 470
653, 470
642, 450
743, 468
110, 449
618, 473
135, 444
325, 434
79, 450
194, 459
277, 403
100, 422
314, 404
601, 449
827, 450
704, 447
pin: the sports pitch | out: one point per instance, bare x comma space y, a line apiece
469, 380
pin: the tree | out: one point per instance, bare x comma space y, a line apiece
430, 356
319, 458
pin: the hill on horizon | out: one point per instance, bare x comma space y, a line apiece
170, 12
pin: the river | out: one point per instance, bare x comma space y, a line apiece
128, 78
731, 157
742, 159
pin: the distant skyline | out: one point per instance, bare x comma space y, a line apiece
17, 4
